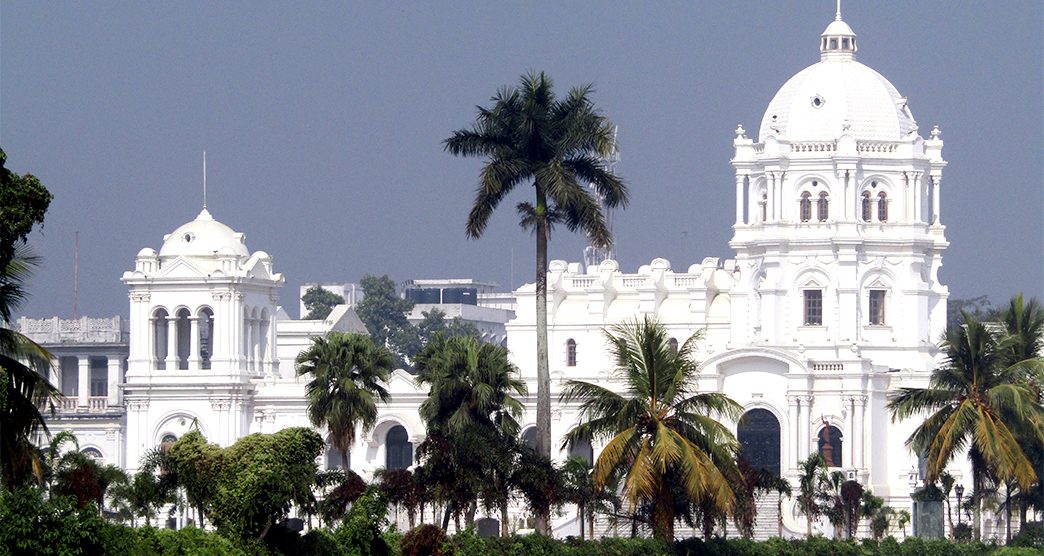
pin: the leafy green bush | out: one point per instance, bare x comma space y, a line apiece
1031, 535
360, 532
31, 525
189, 541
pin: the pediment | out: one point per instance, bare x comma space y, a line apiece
181, 268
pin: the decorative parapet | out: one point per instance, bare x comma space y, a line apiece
84, 330
876, 147
815, 147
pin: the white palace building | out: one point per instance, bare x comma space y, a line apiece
831, 301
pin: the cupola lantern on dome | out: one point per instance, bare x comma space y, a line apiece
838, 40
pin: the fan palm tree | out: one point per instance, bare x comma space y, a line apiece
976, 401
530, 136
347, 371
656, 425
471, 405
812, 477
24, 388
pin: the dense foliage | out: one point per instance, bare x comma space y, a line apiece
319, 302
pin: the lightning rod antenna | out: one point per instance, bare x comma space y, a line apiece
76, 277
204, 180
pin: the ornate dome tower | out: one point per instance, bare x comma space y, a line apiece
202, 319
837, 232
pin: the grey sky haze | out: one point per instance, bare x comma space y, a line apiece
323, 125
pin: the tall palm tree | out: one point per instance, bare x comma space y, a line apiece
530, 136
472, 412
24, 388
347, 371
656, 425
1024, 325
975, 400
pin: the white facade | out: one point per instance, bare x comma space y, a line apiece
831, 301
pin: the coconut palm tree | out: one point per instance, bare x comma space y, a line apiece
656, 425
24, 388
471, 411
528, 136
1024, 324
976, 401
347, 371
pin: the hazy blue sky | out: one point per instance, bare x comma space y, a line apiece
323, 124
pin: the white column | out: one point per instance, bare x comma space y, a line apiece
849, 434
793, 412
915, 185
806, 425
172, 343
859, 438
115, 370
84, 383
193, 358
739, 198
935, 199
55, 373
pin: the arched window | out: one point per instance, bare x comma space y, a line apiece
867, 216
806, 206
206, 337
183, 328
93, 453
882, 207
764, 207
529, 437
830, 445
166, 441
398, 449
673, 345
824, 206
758, 435
570, 352
160, 329
582, 449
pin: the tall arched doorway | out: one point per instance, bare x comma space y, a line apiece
758, 435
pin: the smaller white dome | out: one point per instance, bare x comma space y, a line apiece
838, 27
203, 237
147, 252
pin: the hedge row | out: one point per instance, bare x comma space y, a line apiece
31, 525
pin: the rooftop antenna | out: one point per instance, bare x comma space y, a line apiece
76, 277
204, 180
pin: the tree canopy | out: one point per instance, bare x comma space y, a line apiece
319, 301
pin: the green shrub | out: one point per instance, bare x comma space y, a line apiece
31, 525
1031, 535
360, 532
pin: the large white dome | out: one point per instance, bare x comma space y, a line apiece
835, 96
203, 237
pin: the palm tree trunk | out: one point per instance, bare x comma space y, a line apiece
504, 532
346, 462
977, 476
580, 513
446, 516
543, 417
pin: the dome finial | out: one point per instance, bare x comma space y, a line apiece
837, 16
